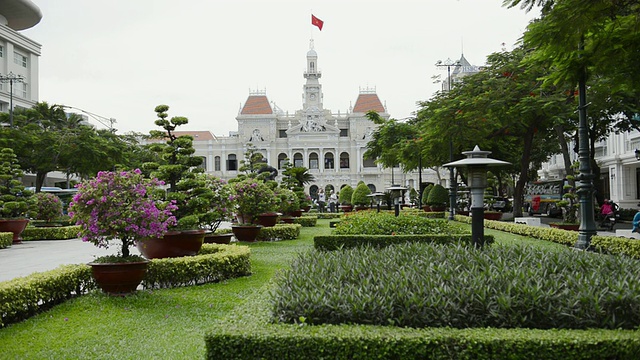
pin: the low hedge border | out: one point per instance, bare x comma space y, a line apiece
6, 239
50, 233
328, 215
605, 244
279, 232
306, 221
23, 297
248, 333
335, 242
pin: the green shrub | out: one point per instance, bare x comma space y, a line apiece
345, 195
425, 194
384, 223
6, 239
306, 221
428, 285
616, 245
335, 242
51, 233
438, 196
279, 232
359, 196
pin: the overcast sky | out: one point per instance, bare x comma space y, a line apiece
120, 58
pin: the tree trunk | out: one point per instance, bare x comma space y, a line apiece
518, 195
40, 178
564, 148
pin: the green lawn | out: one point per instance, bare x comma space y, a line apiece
158, 324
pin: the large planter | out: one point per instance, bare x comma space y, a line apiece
15, 226
267, 219
246, 233
119, 278
426, 208
218, 238
287, 219
295, 213
492, 216
345, 208
172, 244
361, 207
438, 208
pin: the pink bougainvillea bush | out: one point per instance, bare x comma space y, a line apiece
120, 206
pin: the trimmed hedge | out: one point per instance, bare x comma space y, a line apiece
213, 263
50, 233
335, 242
605, 244
279, 232
248, 333
23, 297
328, 215
306, 221
6, 239
383, 223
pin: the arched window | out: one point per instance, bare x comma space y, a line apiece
313, 161
297, 160
366, 162
282, 159
203, 164
372, 188
216, 162
232, 162
344, 160
328, 161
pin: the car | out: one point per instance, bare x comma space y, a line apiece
499, 204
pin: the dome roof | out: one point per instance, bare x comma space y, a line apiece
20, 14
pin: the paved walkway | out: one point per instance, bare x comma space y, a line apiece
42, 255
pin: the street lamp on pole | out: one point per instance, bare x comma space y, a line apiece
453, 186
11, 78
108, 122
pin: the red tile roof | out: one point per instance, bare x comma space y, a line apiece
368, 102
197, 135
256, 105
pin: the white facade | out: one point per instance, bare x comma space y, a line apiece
18, 54
619, 168
331, 145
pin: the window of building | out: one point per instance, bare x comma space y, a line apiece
368, 162
344, 160
328, 161
203, 164
20, 59
282, 160
372, 188
282, 134
1, 51
297, 160
232, 162
216, 162
24, 90
313, 161
344, 132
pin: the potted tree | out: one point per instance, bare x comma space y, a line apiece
344, 197
178, 168
359, 197
569, 205
288, 202
14, 199
438, 198
219, 208
122, 207
47, 208
251, 197
425, 198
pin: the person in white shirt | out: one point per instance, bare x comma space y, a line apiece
333, 201
321, 200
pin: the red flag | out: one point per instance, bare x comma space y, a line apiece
317, 22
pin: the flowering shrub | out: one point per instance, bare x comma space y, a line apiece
287, 200
46, 207
120, 206
252, 198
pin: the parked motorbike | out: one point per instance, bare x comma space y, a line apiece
608, 221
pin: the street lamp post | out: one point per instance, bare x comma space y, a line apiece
11, 78
477, 162
452, 178
396, 192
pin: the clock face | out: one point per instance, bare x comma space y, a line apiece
312, 96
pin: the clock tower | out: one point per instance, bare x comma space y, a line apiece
312, 90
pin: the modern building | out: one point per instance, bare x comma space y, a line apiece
18, 54
330, 144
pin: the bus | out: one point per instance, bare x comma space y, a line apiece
541, 197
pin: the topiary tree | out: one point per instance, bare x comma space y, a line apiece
425, 194
438, 198
14, 199
359, 196
345, 195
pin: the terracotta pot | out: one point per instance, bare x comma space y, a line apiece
267, 219
571, 227
426, 208
119, 278
438, 208
172, 244
218, 238
361, 207
15, 226
493, 216
296, 213
306, 208
463, 212
345, 208
246, 233
287, 219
